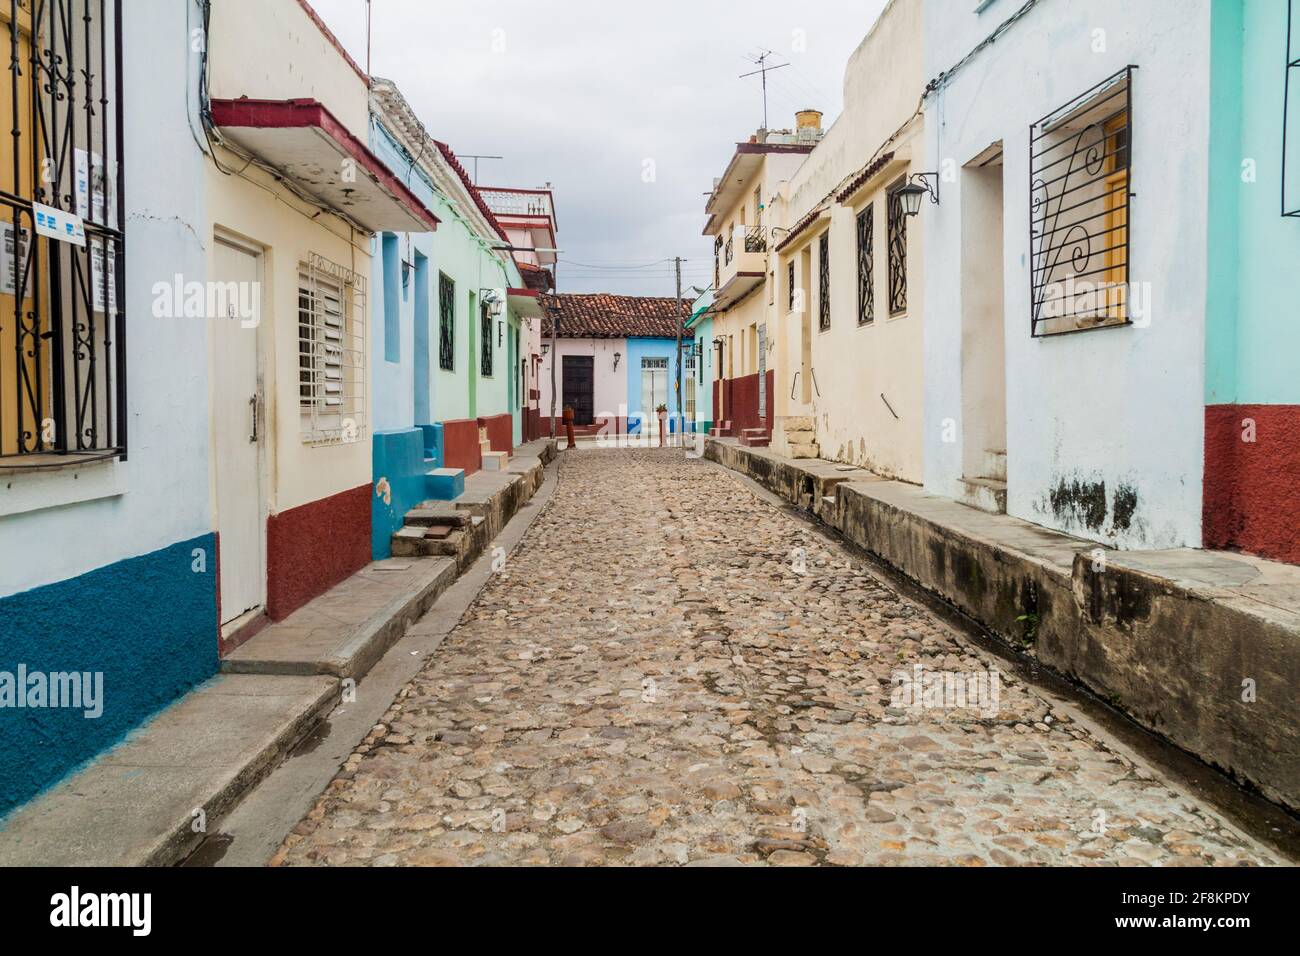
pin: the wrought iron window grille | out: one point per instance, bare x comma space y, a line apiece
789, 285
62, 306
755, 239
485, 338
446, 323
824, 281
896, 224
866, 266
1081, 182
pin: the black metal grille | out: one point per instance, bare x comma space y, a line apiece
1291, 114
866, 263
755, 239
824, 279
1080, 168
62, 321
485, 341
789, 286
897, 225
446, 323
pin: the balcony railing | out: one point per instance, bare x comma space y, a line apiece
521, 202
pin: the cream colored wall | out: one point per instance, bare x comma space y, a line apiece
253, 210
272, 49
855, 364
735, 324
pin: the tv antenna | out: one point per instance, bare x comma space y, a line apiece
476, 157
761, 62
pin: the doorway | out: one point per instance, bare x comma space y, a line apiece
578, 386
983, 359
239, 432
804, 300
654, 388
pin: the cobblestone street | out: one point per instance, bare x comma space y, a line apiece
671, 670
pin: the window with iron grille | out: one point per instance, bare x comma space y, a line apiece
1080, 170
789, 286
897, 227
331, 352
62, 321
485, 340
824, 270
866, 265
446, 323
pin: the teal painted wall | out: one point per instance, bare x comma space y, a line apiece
701, 327
1252, 337
148, 625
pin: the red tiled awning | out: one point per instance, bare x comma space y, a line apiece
303, 140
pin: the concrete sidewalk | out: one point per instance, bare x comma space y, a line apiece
1201, 647
150, 800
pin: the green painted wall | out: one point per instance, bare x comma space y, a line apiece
1252, 335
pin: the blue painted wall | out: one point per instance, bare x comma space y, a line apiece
148, 624
637, 349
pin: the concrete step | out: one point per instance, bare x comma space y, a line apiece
754, 431
495, 460
345, 630
799, 423
721, 430
484, 446
445, 484
135, 805
984, 494
995, 465
801, 436
437, 513
810, 450
761, 440
413, 541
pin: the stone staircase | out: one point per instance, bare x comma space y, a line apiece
755, 437
437, 529
801, 437
492, 460
988, 492
720, 430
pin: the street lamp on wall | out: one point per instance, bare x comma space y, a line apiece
617, 356
918, 185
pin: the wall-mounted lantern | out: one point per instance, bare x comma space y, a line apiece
617, 356
546, 349
501, 331
918, 185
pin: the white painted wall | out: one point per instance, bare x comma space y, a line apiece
272, 49
159, 496
1120, 405
609, 386
855, 365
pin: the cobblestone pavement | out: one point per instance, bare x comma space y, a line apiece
651, 680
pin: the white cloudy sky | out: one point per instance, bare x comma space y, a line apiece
581, 92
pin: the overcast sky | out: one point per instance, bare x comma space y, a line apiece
582, 93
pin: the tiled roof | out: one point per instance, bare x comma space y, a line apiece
875, 166
536, 277
602, 315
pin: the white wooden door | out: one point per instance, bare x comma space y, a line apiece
238, 437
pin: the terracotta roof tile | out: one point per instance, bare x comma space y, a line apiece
450, 156
603, 315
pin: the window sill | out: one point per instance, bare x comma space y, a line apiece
66, 480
